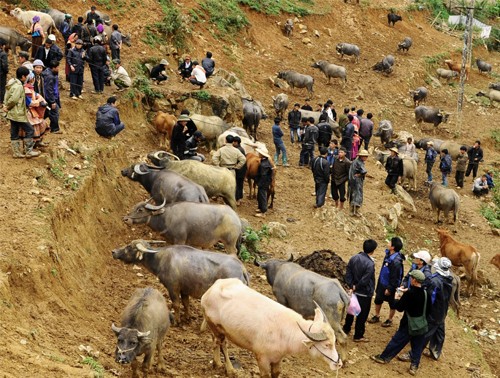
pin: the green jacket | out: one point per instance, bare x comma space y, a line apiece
15, 101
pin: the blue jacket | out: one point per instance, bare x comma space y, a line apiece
75, 59
51, 87
277, 134
107, 116
392, 271
445, 164
430, 155
489, 181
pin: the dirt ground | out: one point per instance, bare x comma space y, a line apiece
61, 213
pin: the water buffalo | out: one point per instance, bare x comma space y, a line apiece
419, 95
422, 143
335, 126
211, 127
452, 147
58, 18
482, 66
253, 112
185, 271
393, 18
26, 18
384, 131
444, 199
14, 39
297, 80
495, 86
300, 289
331, 70
493, 95
405, 44
217, 181
385, 65
268, 329
126, 38
446, 74
348, 49
280, 104
430, 115
288, 27
196, 224
144, 324
165, 185
410, 172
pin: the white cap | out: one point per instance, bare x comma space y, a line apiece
52, 37
423, 255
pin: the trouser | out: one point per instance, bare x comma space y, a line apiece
480, 192
472, 167
240, 182
320, 188
338, 191
75, 84
97, 78
391, 181
196, 82
111, 130
359, 329
444, 177
366, 141
14, 130
347, 144
120, 84
459, 178
208, 74
400, 340
262, 199
435, 337
428, 170
294, 132
54, 119
306, 154
160, 78
3, 83
280, 149
115, 54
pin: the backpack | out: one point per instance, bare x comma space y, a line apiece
385, 271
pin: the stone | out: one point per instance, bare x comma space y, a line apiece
277, 229
306, 40
282, 84
303, 32
302, 26
495, 231
316, 33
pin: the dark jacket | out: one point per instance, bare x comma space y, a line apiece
107, 116
430, 155
54, 53
426, 269
190, 148
347, 135
208, 64
75, 59
394, 264
178, 141
4, 64
185, 71
91, 17
96, 56
475, 155
340, 171
294, 118
155, 72
394, 166
78, 29
264, 174
360, 273
366, 128
412, 303
310, 137
445, 164
440, 295
277, 134
325, 132
51, 87
320, 169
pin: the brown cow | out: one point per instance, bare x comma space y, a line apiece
496, 260
253, 162
164, 123
460, 255
457, 67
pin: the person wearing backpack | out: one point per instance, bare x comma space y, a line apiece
389, 280
325, 131
445, 166
430, 159
417, 305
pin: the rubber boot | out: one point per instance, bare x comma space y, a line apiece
276, 159
285, 163
351, 210
17, 148
28, 149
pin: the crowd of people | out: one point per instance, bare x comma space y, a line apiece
423, 295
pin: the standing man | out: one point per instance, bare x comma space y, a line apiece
93, 18
4, 69
394, 168
445, 166
430, 158
15, 108
294, 117
66, 28
357, 173
49, 51
415, 303
228, 156
340, 175
321, 173
23, 59
325, 131
366, 129
309, 140
51, 93
460, 169
263, 179
421, 261
360, 277
389, 280
240, 173
97, 58
208, 64
76, 61
307, 106
475, 155
347, 135
343, 120
278, 143
115, 42
108, 123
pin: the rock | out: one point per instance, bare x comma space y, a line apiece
277, 229
47, 200
316, 33
77, 167
495, 231
282, 84
140, 275
302, 27
23, 341
329, 31
435, 82
306, 40
34, 192
296, 20
303, 32
406, 197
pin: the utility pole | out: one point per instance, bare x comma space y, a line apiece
466, 59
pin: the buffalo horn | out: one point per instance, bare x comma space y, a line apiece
150, 206
115, 328
137, 169
142, 248
325, 319
150, 166
156, 241
161, 154
256, 263
313, 336
291, 258
143, 334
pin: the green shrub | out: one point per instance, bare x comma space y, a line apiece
94, 365
201, 95
251, 240
39, 4
226, 15
492, 212
277, 7
171, 28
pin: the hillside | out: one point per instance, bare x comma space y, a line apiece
61, 289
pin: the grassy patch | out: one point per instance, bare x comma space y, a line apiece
298, 7
226, 15
95, 366
171, 29
201, 95
39, 4
495, 135
492, 211
251, 242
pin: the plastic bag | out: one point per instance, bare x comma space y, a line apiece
354, 307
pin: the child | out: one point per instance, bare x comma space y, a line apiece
333, 151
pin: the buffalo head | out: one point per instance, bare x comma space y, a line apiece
135, 171
133, 252
130, 343
142, 213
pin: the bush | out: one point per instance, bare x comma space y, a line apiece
171, 28
226, 15
277, 7
251, 242
492, 212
